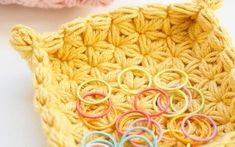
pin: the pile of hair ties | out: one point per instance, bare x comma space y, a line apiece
128, 124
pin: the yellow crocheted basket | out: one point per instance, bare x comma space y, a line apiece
184, 36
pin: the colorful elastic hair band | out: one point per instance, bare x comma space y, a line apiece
154, 139
186, 90
94, 101
173, 139
181, 137
189, 94
202, 99
157, 80
86, 136
160, 130
95, 115
129, 69
172, 114
120, 120
168, 131
172, 129
99, 143
200, 121
122, 142
98, 126
137, 97
213, 134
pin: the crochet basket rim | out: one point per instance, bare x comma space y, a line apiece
39, 50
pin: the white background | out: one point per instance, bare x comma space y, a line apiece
19, 123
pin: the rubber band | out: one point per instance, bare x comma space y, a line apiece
172, 114
120, 119
190, 97
95, 115
99, 142
137, 97
157, 81
106, 126
185, 89
121, 144
173, 139
202, 99
143, 129
160, 133
213, 134
168, 131
172, 128
200, 122
86, 136
175, 134
149, 77
94, 101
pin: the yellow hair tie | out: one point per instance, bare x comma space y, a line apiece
129, 69
175, 134
103, 127
171, 104
168, 131
94, 101
157, 80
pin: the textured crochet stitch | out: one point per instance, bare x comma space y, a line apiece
56, 3
185, 36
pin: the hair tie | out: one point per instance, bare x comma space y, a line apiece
190, 97
86, 136
129, 69
122, 120
157, 80
121, 144
94, 101
125, 136
181, 138
94, 115
195, 137
202, 99
160, 131
88, 122
99, 143
175, 113
137, 97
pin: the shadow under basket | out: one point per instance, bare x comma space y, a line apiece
184, 36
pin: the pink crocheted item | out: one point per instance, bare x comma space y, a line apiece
56, 3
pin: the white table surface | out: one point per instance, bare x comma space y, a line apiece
19, 123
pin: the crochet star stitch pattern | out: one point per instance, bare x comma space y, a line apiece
56, 3
155, 37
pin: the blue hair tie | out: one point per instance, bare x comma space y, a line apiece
124, 139
139, 128
84, 144
99, 141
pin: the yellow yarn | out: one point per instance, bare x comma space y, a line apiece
156, 37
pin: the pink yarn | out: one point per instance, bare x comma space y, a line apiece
56, 3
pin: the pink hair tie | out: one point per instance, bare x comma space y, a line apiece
96, 115
162, 92
195, 137
160, 132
